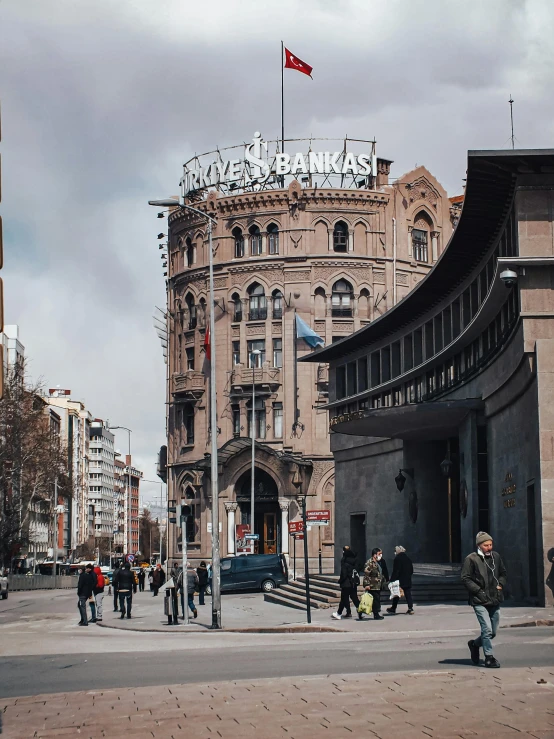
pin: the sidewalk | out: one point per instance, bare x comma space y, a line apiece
249, 612
417, 705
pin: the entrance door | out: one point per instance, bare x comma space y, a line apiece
357, 538
270, 533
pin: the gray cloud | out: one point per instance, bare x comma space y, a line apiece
103, 100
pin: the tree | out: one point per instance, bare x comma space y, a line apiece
149, 534
33, 464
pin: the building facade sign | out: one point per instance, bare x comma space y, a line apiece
258, 166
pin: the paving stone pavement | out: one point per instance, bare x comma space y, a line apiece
516, 702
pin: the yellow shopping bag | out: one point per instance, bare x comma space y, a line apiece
366, 603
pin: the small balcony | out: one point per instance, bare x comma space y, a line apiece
189, 384
243, 377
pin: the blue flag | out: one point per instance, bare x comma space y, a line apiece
303, 331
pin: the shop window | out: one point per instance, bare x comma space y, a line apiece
342, 299
340, 237
273, 238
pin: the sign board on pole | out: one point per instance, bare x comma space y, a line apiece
299, 537
252, 537
312, 517
242, 545
296, 527
130, 558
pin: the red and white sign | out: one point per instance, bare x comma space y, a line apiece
296, 527
243, 546
314, 517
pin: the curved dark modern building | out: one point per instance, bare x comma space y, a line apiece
442, 408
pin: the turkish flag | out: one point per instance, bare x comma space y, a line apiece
293, 62
207, 346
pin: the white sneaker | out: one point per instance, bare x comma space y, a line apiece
337, 616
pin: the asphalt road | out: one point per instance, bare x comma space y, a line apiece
44, 652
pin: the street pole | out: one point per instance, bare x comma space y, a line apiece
184, 573
55, 532
255, 354
216, 556
306, 565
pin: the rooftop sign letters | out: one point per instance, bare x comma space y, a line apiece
260, 164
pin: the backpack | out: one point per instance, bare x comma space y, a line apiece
100, 581
355, 578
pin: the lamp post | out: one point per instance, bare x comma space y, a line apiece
216, 555
255, 354
160, 483
129, 432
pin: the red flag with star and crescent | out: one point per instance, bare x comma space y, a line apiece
293, 62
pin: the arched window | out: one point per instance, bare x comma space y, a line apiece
193, 521
257, 310
273, 238
191, 310
237, 307
421, 237
277, 303
363, 303
239, 242
189, 253
202, 315
319, 303
255, 241
260, 418
340, 236
341, 299
188, 423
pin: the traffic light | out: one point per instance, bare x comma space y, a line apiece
172, 508
182, 512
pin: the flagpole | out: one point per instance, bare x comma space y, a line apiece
295, 355
282, 99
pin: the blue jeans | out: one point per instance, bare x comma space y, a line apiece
190, 602
488, 617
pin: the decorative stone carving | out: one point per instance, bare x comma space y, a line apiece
189, 337
235, 332
255, 329
298, 276
343, 326
422, 189
320, 468
379, 276
231, 507
319, 326
284, 504
276, 329
402, 278
270, 273
220, 282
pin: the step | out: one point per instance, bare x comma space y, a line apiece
295, 591
279, 598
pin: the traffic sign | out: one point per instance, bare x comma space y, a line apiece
318, 518
296, 527
299, 537
130, 558
252, 537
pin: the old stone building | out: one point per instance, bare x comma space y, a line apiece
338, 257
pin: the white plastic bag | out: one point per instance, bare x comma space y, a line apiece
394, 588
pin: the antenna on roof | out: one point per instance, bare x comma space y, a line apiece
512, 118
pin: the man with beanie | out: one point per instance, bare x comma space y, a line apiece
402, 570
484, 576
348, 581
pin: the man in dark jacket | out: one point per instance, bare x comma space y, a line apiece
202, 572
348, 581
402, 570
158, 578
85, 588
484, 575
126, 586
115, 594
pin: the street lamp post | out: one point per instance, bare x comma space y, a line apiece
129, 518
216, 555
255, 354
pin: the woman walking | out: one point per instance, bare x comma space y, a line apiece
373, 581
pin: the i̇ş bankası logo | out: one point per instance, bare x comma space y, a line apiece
256, 167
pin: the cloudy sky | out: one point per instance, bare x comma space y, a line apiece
103, 100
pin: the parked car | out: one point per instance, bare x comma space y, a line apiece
4, 587
252, 572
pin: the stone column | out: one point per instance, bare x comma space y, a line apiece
284, 506
350, 240
231, 509
434, 245
410, 250
331, 239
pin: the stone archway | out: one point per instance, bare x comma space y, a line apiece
267, 512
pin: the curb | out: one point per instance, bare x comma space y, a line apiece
292, 629
538, 622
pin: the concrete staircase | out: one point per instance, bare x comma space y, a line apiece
431, 584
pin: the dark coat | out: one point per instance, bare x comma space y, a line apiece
347, 566
86, 584
202, 573
384, 570
481, 579
125, 580
402, 570
141, 575
158, 577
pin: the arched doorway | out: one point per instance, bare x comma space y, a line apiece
266, 509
